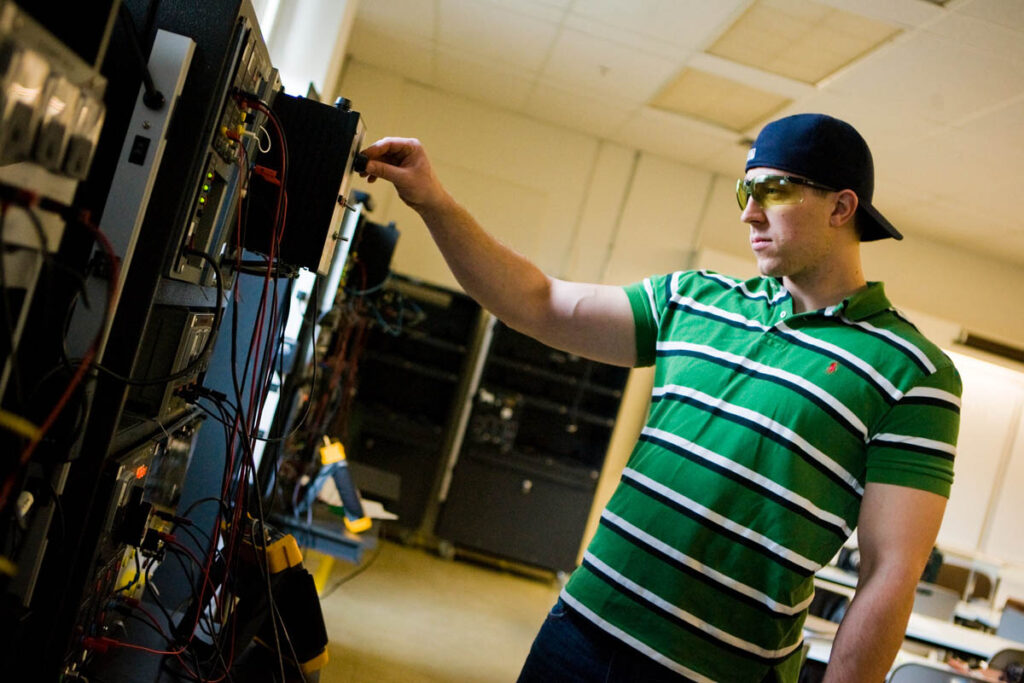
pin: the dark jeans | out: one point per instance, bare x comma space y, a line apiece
569, 648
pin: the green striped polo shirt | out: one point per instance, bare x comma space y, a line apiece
764, 428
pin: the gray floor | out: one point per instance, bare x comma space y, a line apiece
412, 617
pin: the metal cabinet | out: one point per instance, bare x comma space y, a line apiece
411, 380
531, 452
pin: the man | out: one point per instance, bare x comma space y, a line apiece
787, 410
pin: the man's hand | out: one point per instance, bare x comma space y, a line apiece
403, 162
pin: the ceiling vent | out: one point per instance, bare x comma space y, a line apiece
992, 346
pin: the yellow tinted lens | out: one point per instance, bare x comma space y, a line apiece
742, 192
771, 191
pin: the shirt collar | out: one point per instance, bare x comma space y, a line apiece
863, 304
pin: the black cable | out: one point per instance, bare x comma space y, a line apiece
217, 647
306, 409
279, 270
57, 507
353, 574
203, 356
153, 98
148, 586
200, 501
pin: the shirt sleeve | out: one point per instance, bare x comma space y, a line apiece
915, 443
648, 299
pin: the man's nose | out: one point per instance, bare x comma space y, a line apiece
752, 212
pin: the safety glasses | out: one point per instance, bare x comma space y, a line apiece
773, 190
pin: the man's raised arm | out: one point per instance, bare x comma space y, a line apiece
590, 320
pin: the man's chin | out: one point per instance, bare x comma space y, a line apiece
768, 268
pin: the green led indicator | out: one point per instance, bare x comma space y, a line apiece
206, 188
209, 175
202, 200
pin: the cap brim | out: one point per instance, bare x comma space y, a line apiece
876, 226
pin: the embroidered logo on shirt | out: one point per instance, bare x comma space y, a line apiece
832, 368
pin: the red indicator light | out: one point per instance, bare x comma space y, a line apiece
140, 471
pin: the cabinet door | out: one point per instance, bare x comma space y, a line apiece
529, 513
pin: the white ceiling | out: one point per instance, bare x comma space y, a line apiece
942, 105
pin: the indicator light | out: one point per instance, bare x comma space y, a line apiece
209, 175
140, 471
206, 188
202, 200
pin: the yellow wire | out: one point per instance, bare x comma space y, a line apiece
18, 425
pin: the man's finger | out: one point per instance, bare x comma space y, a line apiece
380, 169
397, 147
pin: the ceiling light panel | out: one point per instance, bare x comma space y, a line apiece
800, 39
718, 100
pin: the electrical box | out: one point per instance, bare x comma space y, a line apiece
322, 144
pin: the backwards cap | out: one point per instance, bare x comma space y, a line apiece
828, 151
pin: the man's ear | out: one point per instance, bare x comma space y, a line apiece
845, 207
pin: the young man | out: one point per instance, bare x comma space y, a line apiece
787, 410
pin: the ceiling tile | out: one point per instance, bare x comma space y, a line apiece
552, 11
728, 161
600, 66
405, 18
1009, 13
802, 40
414, 60
931, 77
674, 136
478, 80
904, 14
998, 41
884, 129
636, 41
942, 105
597, 116
717, 100
493, 32
681, 22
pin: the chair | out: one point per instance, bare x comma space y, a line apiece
1005, 658
929, 673
971, 582
935, 601
828, 604
1011, 624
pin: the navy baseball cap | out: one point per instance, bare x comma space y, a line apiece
828, 151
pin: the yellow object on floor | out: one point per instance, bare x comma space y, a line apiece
324, 567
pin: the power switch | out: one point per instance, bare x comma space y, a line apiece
140, 145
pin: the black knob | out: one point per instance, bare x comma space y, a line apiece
343, 104
359, 163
